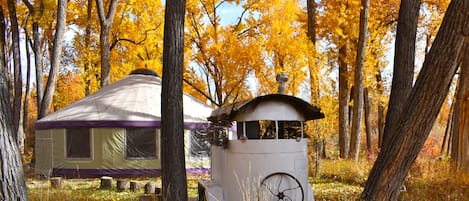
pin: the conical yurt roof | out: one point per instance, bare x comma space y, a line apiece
134, 101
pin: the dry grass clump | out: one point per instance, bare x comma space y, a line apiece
345, 171
429, 179
432, 179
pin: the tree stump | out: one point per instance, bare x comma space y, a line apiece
158, 191
147, 197
56, 182
122, 184
134, 186
106, 182
159, 198
150, 188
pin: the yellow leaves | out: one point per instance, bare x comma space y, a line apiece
50, 4
284, 45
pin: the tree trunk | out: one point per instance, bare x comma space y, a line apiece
18, 80
358, 83
404, 59
37, 15
28, 88
421, 108
313, 71
105, 21
12, 185
368, 128
87, 65
56, 56
3, 63
174, 182
381, 116
449, 128
460, 153
344, 138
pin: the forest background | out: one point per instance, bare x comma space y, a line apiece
225, 60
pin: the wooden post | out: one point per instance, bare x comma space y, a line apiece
106, 182
122, 184
150, 188
56, 182
134, 186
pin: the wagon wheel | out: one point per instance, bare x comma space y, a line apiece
280, 186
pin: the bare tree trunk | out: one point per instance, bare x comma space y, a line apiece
421, 108
368, 128
12, 184
358, 83
404, 59
460, 153
105, 21
172, 125
18, 81
56, 56
344, 138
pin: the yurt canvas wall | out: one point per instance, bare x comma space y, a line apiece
115, 131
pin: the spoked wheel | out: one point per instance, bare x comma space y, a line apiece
280, 186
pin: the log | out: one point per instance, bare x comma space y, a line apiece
106, 182
56, 182
122, 184
150, 188
134, 186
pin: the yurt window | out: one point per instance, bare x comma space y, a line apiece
199, 143
141, 143
78, 143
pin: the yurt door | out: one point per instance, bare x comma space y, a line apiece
44, 158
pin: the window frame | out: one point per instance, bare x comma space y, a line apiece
157, 145
190, 147
91, 143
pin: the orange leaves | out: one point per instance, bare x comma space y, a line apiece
70, 88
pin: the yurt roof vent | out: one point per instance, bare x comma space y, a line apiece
144, 71
281, 78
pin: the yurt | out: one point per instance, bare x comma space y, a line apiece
116, 132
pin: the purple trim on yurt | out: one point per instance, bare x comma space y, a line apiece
111, 124
89, 173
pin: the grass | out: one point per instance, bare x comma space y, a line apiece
75, 189
88, 190
428, 179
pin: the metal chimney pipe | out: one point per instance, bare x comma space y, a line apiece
281, 78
